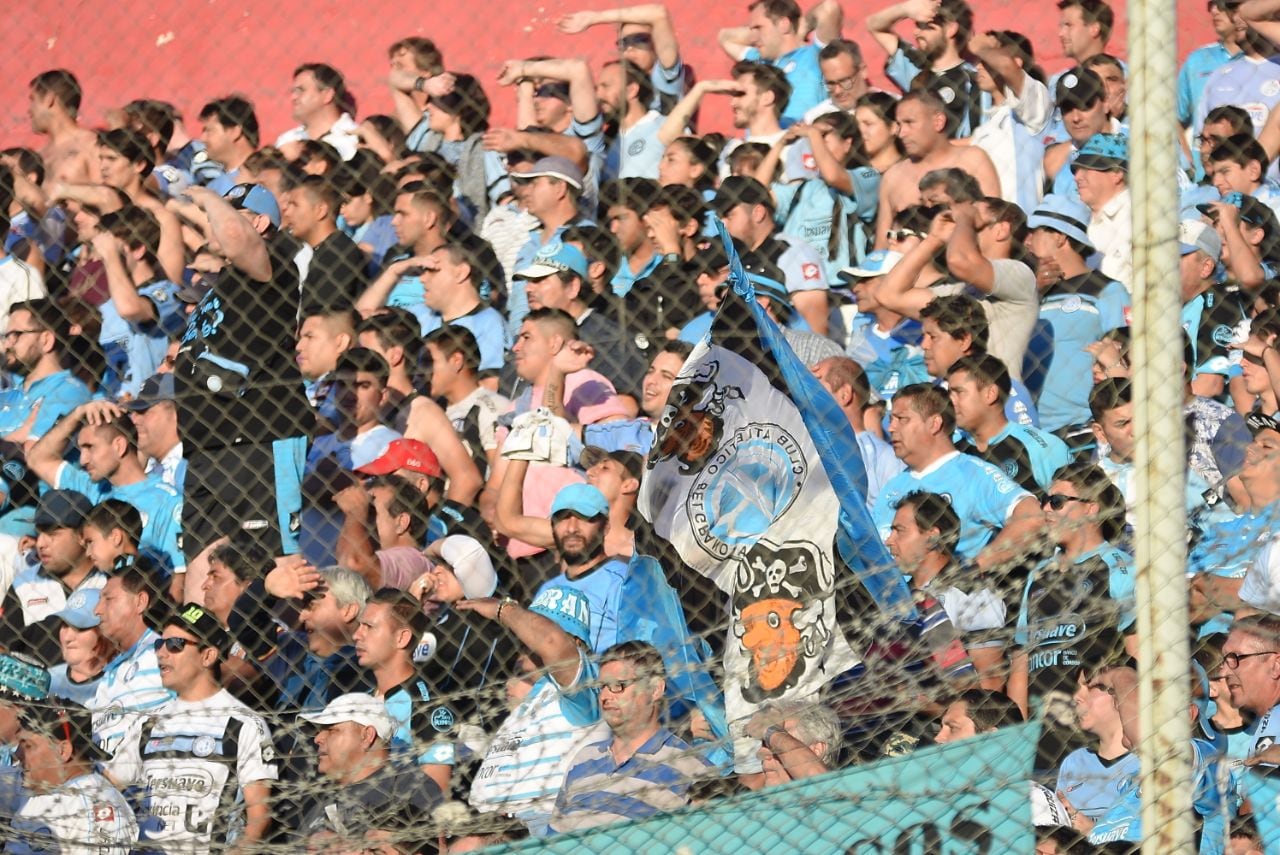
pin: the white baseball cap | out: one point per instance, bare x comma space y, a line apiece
471, 565
358, 707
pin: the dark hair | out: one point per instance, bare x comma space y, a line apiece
1112, 393
958, 12
49, 316
766, 78
391, 129
426, 56
846, 127
986, 370
317, 151
960, 185
244, 555
680, 348
29, 163
930, 511
779, 10
424, 195
1101, 59
156, 117
959, 315
634, 75
122, 427
268, 157
1236, 117
111, 514
452, 338
841, 47
132, 146
597, 245
988, 709
62, 85
340, 312
396, 327
635, 194
558, 320
485, 271
233, 111
1241, 149
927, 98
404, 608
1093, 485
1093, 12
364, 361
322, 191
928, 401
328, 77
140, 575
704, 154
136, 227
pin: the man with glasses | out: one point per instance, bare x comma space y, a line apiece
35, 347
844, 74
1251, 667
613, 780
204, 760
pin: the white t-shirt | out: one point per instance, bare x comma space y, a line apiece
343, 136
19, 282
84, 816
181, 755
488, 407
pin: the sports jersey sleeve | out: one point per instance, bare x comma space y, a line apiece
62, 399
784, 194
1186, 97
125, 766
72, 477
255, 752
580, 700
803, 267
668, 81
1120, 588
900, 69
996, 494
1049, 460
1114, 307
163, 529
866, 192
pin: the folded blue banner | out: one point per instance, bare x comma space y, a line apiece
1264, 796
968, 796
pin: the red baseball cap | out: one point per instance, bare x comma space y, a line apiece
411, 454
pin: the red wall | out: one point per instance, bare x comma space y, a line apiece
187, 51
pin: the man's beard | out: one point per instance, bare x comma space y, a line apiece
593, 549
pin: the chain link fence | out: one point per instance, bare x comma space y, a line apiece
706, 429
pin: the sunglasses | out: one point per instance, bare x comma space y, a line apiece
173, 645
1057, 501
637, 40
902, 234
1252, 359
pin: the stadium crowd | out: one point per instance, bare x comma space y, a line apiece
324, 460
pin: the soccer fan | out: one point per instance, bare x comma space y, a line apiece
53, 106
646, 38
323, 106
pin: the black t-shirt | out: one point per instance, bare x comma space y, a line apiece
235, 376
395, 798
336, 273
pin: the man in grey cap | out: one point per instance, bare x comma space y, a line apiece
58, 567
155, 417
552, 190
1210, 311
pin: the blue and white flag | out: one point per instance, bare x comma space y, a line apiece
756, 479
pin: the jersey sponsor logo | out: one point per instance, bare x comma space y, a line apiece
442, 719
725, 513
426, 648
14, 470
808, 161
789, 67
190, 782
809, 271
1270, 88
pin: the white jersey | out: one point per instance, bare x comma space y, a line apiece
19, 282
190, 761
84, 816
128, 688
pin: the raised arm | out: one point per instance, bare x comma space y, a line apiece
375, 296
428, 423
240, 242
880, 24
131, 305
964, 259
655, 15
575, 72
825, 21
682, 114
735, 41
897, 291
551, 644
1262, 16
509, 517
1020, 531
549, 145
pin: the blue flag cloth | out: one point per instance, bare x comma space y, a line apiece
1264, 797
649, 610
756, 480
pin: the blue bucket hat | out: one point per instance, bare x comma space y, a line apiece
1064, 215
567, 608
582, 499
1103, 152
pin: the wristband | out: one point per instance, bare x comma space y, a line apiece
420, 83
502, 604
770, 732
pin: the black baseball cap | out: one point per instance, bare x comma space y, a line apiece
632, 462
72, 723
156, 388
195, 619
62, 509
1079, 88
741, 190
1258, 422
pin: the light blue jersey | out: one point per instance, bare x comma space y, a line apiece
805, 76
1200, 64
159, 505
1249, 83
135, 350
637, 151
57, 395
982, 496
602, 586
489, 329
810, 209
1093, 785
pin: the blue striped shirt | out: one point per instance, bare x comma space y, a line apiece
656, 779
130, 685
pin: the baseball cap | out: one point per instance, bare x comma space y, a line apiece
1197, 235
62, 509
566, 607
19, 522
1078, 88
766, 277
22, 677
552, 167
1258, 422
358, 707
255, 198
411, 454
741, 190
631, 461
713, 259
193, 618
78, 612
555, 257
71, 722
157, 388
876, 263
1063, 215
1103, 152
581, 499
471, 565
1252, 211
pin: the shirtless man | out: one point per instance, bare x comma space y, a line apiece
71, 153
922, 119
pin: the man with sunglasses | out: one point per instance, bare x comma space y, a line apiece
647, 38
204, 761
613, 780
